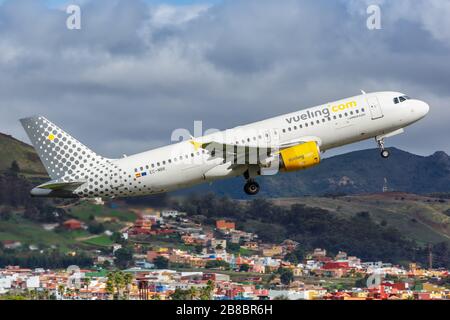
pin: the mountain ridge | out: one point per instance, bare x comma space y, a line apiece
362, 171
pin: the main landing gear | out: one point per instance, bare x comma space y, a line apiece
384, 152
251, 187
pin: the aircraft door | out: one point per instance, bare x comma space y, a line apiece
375, 108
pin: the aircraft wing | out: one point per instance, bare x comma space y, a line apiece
240, 153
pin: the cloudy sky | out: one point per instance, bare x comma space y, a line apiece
139, 69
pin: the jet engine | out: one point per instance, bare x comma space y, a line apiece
299, 157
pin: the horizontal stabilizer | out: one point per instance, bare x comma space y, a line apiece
58, 185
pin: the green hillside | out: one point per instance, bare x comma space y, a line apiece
30, 232
420, 218
12, 149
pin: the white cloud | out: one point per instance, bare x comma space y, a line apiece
136, 71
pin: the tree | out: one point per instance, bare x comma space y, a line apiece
15, 167
118, 238
192, 293
106, 264
117, 282
156, 297
295, 256
96, 228
233, 247
110, 284
206, 292
179, 294
291, 257
87, 282
244, 267
61, 290
217, 264
161, 263
123, 257
128, 280
286, 276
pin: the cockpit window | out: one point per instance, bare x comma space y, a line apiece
401, 99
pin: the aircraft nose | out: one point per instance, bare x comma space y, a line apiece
423, 108
420, 108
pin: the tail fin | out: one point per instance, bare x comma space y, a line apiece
64, 157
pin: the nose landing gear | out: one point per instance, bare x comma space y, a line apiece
384, 152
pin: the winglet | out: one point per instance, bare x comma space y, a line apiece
363, 92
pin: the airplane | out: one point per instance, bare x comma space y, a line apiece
285, 143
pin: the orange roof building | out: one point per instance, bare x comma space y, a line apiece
224, 225
72, 224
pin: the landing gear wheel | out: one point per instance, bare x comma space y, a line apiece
385, 154
251, 188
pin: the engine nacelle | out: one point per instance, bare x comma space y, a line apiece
302, 156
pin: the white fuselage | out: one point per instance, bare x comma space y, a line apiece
332, 125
